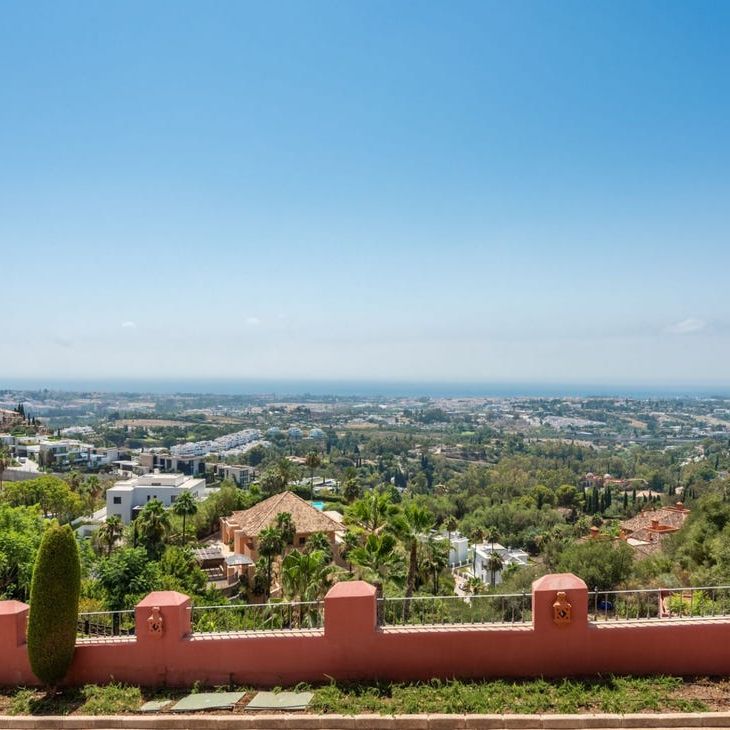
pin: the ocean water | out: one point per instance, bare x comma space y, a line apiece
364, 388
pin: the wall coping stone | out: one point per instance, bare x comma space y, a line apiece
302, 721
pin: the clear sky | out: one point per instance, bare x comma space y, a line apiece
450, 191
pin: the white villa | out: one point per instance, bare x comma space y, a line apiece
126, 498
458, 547
509, 556
59, 453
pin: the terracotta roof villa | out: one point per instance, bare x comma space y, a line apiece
646, 531
243, 528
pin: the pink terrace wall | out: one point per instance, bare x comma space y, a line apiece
351, 646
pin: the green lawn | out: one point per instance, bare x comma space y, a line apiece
611, 694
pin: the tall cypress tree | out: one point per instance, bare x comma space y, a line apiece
54, 605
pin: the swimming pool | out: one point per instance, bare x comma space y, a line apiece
318, 505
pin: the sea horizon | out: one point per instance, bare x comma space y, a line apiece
365, 388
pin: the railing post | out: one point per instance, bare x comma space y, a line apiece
523, 606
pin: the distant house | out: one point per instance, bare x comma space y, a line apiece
591, 480
458, 547
242, 529
128, 497
9, 419
155, 461
509, 556
647, 530
240, 474
60, 453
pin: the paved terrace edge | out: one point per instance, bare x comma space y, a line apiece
283, 721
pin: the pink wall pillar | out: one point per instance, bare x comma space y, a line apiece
14, 665
544, 595
172, 608
350, 629
350, 610
162, 623
560, 620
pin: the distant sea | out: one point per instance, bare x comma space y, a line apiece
368, 389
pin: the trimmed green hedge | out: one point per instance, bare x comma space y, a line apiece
54, 605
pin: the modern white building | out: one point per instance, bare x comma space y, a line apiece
126, 498
509, 557
222, 444
240, 474
458, 547
61, 453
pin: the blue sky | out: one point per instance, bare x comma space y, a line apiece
386, 190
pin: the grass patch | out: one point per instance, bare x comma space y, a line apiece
604, 694
110, 699
29, 701
613, 694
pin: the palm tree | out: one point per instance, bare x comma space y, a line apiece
286, 527
271, 544
184, 506
110, 532
411, 526
451, 525
286, 472
494, 564
319, 541
92, 489
437, 558
351, 489
350, 540
305, 577
475, 586
154, 526
74, 481
371, 513
377, 558
313, 461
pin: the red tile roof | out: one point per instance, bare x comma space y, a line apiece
306, 518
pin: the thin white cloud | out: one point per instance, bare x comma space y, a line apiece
129, 325
253, 321
687, 326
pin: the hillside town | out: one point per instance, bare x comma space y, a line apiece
337, 471
363, 365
